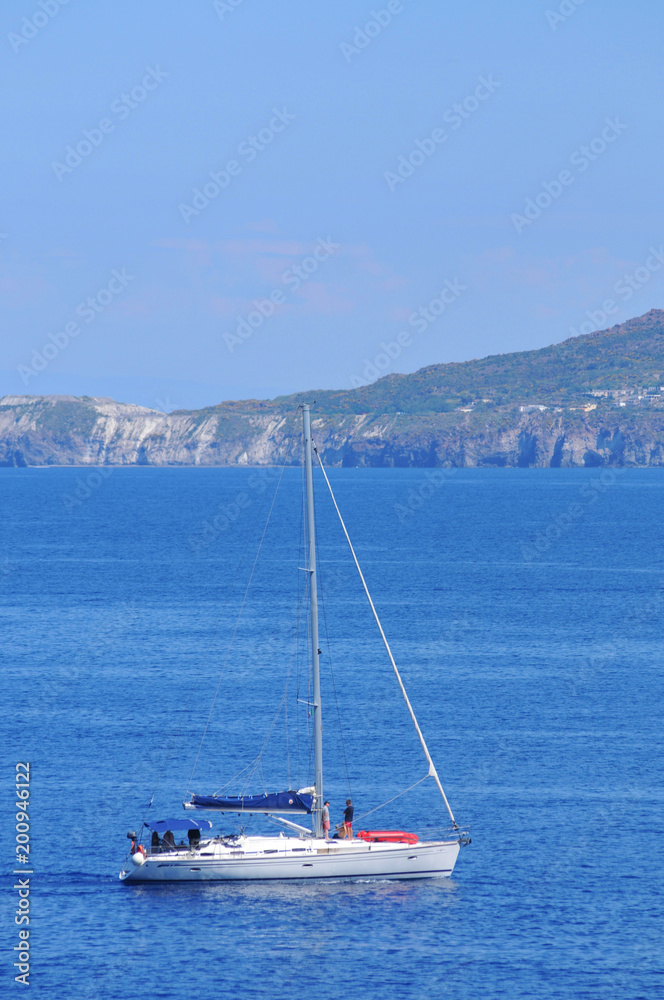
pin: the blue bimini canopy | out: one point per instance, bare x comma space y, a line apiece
162, 825
269, 802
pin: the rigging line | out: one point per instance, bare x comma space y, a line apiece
262, 776
235, 778
205, 657
249, 779
300, 562
432, 769
288, 772
242, 790
251, 768
334, 686
274, 721
285, 702
395, 797
310, 697
282, 705
341, 732
237, 625
294, 657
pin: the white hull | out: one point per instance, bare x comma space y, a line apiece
286, 858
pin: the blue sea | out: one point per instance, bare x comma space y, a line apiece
153, 644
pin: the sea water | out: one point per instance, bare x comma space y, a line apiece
144, 609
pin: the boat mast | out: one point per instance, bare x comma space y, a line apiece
315, 652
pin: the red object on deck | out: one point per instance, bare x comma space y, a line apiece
389, 836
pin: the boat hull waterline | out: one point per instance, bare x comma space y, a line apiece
313, 859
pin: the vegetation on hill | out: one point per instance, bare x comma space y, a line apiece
69, 418
628, 355
531, 408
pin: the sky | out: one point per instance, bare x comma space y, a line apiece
241, 198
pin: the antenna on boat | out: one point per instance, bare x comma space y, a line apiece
313, 598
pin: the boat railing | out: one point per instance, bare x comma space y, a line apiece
181, 848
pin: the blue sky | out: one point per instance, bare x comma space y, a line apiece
351, 167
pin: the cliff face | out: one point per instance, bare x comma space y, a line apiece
65, 430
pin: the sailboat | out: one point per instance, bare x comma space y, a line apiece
303, 852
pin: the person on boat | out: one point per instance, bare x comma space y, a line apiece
137, 848
346, 831
326, 819
155, 843
169, 840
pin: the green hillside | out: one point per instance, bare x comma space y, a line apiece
626, 356
532, 408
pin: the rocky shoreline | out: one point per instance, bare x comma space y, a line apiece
71, 431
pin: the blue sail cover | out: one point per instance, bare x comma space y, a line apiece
270, 802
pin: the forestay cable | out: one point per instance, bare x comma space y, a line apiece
432, 770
